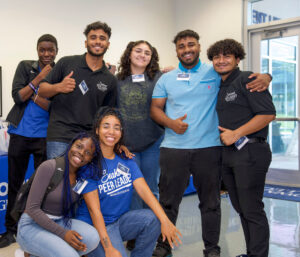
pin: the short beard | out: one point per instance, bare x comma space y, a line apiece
96, 55
224, 73
191, 64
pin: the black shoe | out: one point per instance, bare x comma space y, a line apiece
212, 253
242, 255
7, 239
161, 251
130, 244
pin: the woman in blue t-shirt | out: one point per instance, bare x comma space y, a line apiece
116, 222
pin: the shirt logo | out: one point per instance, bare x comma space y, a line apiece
101, 86
230, 97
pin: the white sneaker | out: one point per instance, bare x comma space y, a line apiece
19, 253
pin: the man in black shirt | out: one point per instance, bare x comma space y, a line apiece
28, 121
246, 156
78, 86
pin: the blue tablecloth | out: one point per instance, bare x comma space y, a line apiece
4, 187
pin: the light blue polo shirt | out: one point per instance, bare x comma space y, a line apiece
196, 97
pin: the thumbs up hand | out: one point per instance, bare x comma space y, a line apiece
228, 136
178, 126
68, 84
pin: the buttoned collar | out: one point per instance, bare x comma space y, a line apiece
83, 64
231, 77
194, 69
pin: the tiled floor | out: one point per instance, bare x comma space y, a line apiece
284, 218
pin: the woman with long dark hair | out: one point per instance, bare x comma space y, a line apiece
46, 227
114, 189
137, 76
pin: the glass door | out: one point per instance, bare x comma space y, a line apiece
276, 51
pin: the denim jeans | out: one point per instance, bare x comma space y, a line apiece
55, 149
148, 162
40, 242
139, 224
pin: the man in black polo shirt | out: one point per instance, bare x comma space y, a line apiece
78, 86
246, 156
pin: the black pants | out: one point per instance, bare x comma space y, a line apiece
244, 174
19, 151
204, 164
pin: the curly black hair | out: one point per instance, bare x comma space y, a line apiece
97, 25
184, 34
124, 69
226, 46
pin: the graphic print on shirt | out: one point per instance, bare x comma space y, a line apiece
133, 102
230, 97
117, 182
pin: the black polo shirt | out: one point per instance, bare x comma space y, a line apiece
237, 105
74, 112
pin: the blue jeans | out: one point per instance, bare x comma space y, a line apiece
55, 149
40, 242
148, 162
140, 224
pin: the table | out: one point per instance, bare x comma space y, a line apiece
4, 186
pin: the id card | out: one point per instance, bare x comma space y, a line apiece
241, 142
183, 76
138, 78
83, 87
122, 169
80, 185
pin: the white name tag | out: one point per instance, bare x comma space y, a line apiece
138, 78
80, 185
183, 76
83, 87
122, 169
241, 142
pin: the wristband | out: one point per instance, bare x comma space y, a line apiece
34, 89
36, 96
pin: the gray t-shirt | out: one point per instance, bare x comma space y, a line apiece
134, 101
53, 203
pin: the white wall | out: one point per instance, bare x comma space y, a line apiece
213, 20
157, 21
22, 22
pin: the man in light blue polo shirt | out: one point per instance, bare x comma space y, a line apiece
184, 102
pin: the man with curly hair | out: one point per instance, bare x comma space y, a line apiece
78, 86
184, 102
246, 156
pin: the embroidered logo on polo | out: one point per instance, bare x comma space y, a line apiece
101, 86
230, 97
117, 182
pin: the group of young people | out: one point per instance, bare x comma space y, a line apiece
109, 190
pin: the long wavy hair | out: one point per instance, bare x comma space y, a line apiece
92, 170
124, 69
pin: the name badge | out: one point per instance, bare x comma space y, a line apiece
138, 78
122, 169
183, 76
80, 185
83, 87
241, 142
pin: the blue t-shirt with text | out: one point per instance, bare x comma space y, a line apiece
114, 188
